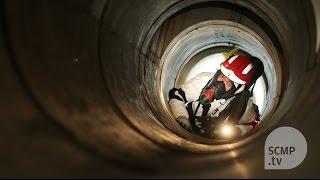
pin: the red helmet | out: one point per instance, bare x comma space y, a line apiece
238, 69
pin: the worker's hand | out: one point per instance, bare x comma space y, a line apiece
184, 123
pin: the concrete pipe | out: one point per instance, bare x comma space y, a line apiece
102, 70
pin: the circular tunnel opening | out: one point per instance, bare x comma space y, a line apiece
163, 53
199, 49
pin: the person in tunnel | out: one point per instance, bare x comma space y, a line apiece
219, 105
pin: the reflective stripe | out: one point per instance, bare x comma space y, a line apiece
247, 69
232, 59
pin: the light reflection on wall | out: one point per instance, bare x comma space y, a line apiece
212, 64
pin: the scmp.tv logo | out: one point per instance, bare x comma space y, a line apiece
285, 148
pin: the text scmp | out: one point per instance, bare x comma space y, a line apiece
288, 150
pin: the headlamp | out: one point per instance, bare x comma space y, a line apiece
226, 130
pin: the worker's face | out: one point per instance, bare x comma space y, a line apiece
227, 82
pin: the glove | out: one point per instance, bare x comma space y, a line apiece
204, 125
184, 123
200, 126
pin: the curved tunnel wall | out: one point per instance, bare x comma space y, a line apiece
103, 90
